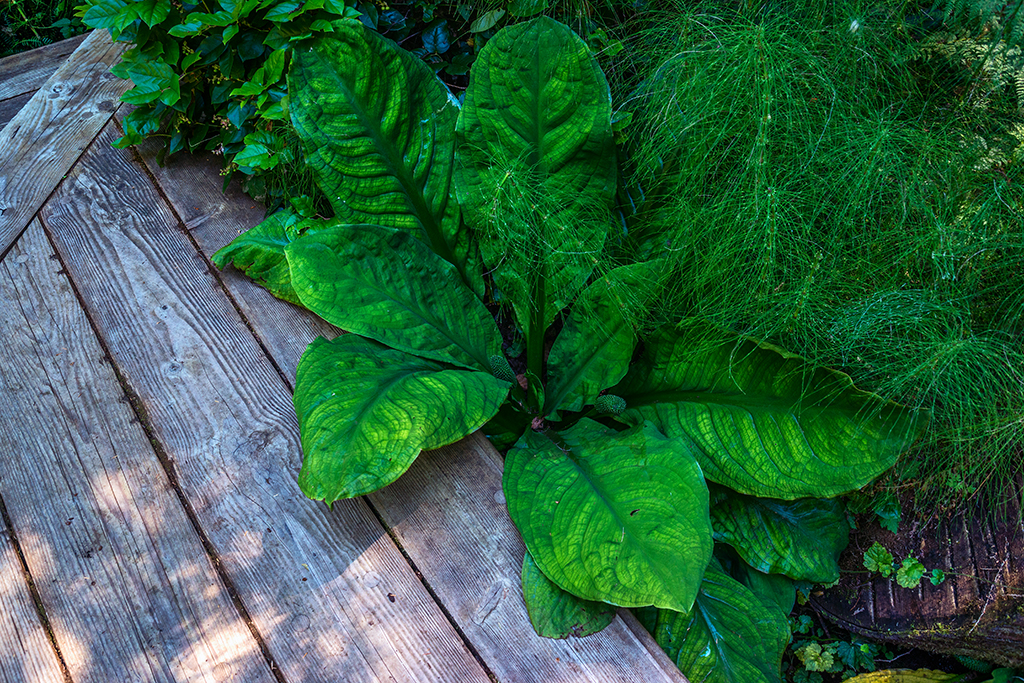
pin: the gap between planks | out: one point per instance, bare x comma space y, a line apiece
9, 108
447, 511
323, 329
26, 642
25, 72
168, 468
48, 135
125, 583
316, 582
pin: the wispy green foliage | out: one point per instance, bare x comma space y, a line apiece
825, 182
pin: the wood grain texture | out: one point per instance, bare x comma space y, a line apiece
26, 72
192, 185
328, 591
446, 510
129, 591
25, 652
45, 138
978, 611
10, 108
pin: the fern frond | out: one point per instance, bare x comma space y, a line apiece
989, 20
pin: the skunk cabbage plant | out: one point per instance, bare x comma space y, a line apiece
646, 470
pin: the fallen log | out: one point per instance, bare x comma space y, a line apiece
978, 611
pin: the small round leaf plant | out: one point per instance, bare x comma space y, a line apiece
647, 466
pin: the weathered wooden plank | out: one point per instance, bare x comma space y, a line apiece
213, 218
193, 187
129, 591
10, 108
45, 138
26, 72
447, 510
330, 594
26, 655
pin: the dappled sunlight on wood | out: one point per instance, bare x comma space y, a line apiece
119, 568
24, 648
149, 476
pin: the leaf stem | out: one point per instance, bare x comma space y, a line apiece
535, 336
26, 21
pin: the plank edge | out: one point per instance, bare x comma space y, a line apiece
30, 586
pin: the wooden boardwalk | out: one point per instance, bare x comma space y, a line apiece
151, 527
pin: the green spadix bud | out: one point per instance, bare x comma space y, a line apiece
610, 404
501, 369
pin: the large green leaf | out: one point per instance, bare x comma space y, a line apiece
259, 251
762, 421
555, 613
378, 128
730, 635
386, 285
773, 590
593, 350
366, 411
109, 14
617, 517
801, 538
152, 12
505, 428
536, 170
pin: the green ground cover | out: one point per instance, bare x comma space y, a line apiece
840, 180
28, 24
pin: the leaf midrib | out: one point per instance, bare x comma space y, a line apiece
414, 195
357, 426
578, 461
426, 320
753, 404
